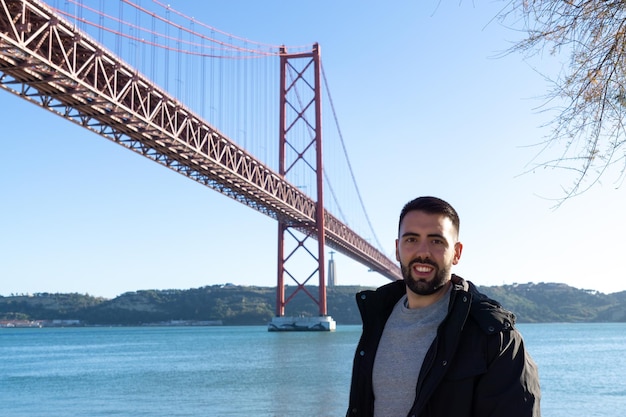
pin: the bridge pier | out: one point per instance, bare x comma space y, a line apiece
291, 324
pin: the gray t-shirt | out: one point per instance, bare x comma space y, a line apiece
406, 338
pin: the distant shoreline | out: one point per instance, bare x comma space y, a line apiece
32, 324
248, 305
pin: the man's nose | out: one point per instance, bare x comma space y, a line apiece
423, 249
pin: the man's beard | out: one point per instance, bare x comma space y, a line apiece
423, 287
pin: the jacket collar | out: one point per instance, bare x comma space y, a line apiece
488, 313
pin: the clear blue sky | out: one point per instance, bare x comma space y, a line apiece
426, 108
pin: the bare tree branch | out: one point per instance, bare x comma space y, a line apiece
589, 95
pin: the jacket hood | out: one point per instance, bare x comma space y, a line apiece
488, 313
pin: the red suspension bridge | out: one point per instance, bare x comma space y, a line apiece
162, 88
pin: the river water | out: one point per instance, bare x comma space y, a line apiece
243, 371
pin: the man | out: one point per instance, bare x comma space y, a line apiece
432, 345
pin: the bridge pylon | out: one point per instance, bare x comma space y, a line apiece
301, 110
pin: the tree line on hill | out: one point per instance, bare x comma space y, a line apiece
249, 305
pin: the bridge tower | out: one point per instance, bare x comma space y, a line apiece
301, 111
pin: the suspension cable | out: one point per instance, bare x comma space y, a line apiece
345, 152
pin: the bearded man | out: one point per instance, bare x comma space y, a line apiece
432, 345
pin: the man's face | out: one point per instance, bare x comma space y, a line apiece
426, 248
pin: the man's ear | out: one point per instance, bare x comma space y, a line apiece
458, 249
397, 252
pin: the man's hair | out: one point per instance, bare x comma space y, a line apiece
431, 205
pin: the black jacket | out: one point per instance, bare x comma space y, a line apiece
476, 367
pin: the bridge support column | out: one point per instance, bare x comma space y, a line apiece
301, 110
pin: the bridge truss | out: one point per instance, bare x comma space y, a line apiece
46, 60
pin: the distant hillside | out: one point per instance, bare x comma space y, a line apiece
232, 305
549, 302
243, 305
